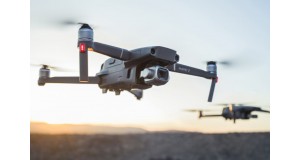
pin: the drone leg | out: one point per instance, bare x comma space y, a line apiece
212, 88
117, 92
83, 62
104, 90
138, 93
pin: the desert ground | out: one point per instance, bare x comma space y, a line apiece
151, 146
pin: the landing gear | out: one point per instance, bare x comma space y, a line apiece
117, 92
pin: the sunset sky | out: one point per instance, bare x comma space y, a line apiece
198, 30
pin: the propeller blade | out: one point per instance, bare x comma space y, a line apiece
196, 110
192, 110
222, 104
243, 104
70, 22
55, 68
225, 63
233, 104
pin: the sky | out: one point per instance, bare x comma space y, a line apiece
197, 30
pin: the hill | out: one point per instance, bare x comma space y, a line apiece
152, 146
44, 128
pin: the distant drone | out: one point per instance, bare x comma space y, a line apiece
127, 70
233, 112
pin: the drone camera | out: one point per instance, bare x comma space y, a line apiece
155, 75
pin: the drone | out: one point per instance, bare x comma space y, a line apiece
233, 112
127, 70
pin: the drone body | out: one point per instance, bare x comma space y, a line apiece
117, 75
233, 112
130, 70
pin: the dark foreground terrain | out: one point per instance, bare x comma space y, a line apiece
151, 146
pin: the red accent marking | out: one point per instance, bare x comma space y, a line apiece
82, 48
217, 79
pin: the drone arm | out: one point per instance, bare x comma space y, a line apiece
266, 111
180, 68
72, 80
111, 51
212, 89
213, 115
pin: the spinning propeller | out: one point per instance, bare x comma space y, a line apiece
226, 63
55, 68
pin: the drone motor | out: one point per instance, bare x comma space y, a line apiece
44, 73
211, 67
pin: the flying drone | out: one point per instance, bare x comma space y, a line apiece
127, 70
233, 112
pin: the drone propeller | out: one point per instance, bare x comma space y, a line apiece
55, 68
191, 110
68, 22
75, 23
233, 104
225, 63
196, 110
